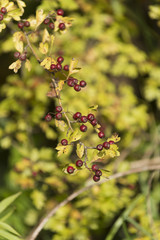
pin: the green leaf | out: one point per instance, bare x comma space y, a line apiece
7, 227
80, 150
94, 107
63, 149
8, 235
73, 66
61, 125
76, 135
6, 202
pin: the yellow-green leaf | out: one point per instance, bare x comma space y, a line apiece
21, 5
15, 66
38, 199
2, 26
73, 66
46, 36
76, 135
39, 17
63, 149
46, 63
60, 85
60, 124
80, 150
43, 48
28, 65
114, 138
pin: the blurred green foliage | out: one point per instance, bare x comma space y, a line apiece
117, 44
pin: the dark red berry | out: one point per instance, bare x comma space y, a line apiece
66, 68
16, 54
111, 142
83, 83
59, 66
46, 21
70, 83
62, 26
98, 173
77, 115
3, 10
1, 17
84, 119
20, 25
95, 167
79, 163
22, 57
94, 122
64, 142
58, 109
106, 145
99, 147
96, 178
77, 88
75, 80
101, 135
48, 117
51, 25
27, 24
60, 59
70, 169
83, 128
34, 174
53, 67
90, 117
60, 12
58, 116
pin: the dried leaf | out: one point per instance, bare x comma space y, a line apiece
15, 66
60, 85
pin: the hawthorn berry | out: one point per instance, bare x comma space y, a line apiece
111, 142
70, 169
75, 80
64, 142
16, 54
77, 88
58, 109
95, 167
84, 119
90, 117
79, 163
58, 116
20, 25
101, 135
98, 173
48, 117
70, 82
94, 122
62, 26
1, 17
51, 26
83, 83
96, 178
99, 147
106, 145
22, 57
60, 59
66, 67
58, 66
53, 67
46, 21
60, 12
77, 115
27, 24
83, 128
3, 10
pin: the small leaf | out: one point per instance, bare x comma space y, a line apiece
2, 26
60, 85
7, 201
80, 150
21, 5
73, 66
60, 124
46, 63
114, 138
39, 17
43, 48
7, 227
15, 66
46, 36
63, 149
28, 65
9, 236
76, 135
18, 38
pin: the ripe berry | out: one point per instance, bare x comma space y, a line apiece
20, 25
75, 80
3, 10
79, 163
95, 167
48, 117
22, 57
98, 173
84, 119
106, 145
83, 83
83, 128
51, 25
77, 88
58, 66
46, 21
62, 26
90, 117
58, 116
64, 142
96, 178
77, 115
99, 147
66, 68
58, 109
70, 169
1, 17
111, 142
101, 134
60, 12
27, 24
16, 54
60, 59
53, 67
70, 83
94, 122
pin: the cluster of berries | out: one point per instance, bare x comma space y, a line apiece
58, 66
21, 25
105, 145
73, 82
83, 119
61, 25
58, 114
97, 173
70, 169
3, 11
20, 56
